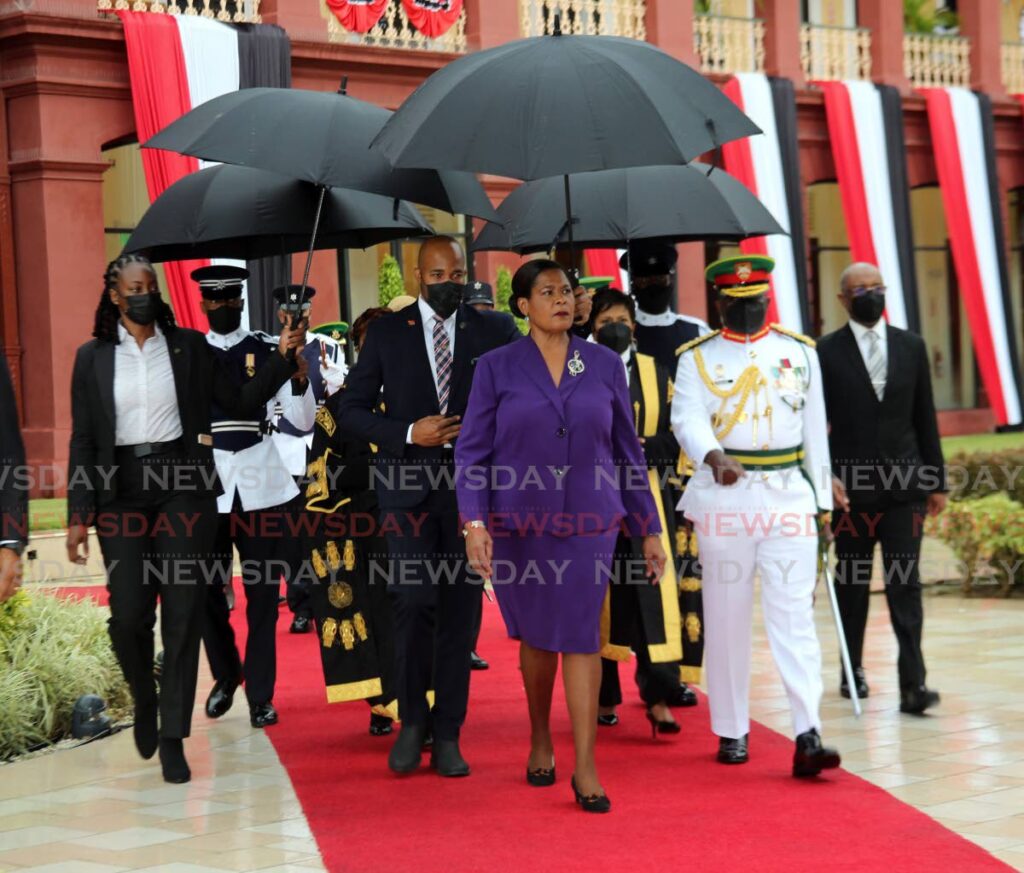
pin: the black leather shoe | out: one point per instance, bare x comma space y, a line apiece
591, 802
262, 715
811, 757
541, 777
477, 663
446, 758
859, 681
609, 720
408, 749
917, 700
172, 761
684, 696
733, 751
145, 729
221, 697
380, 725
301, 624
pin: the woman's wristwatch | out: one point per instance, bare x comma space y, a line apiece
470, 525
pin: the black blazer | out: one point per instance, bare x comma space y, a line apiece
394, 369
882, 447
13, 488
198, 379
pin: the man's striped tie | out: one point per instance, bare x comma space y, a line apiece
443, 363
876, 364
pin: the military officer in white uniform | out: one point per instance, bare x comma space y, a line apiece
749, 404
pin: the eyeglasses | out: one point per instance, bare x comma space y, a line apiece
861, 290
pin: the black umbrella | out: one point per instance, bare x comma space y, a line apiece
614, 207
238, 212
556, 105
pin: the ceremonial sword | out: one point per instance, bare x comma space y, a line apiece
844, 651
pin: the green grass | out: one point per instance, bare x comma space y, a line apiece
982, 442
47, 513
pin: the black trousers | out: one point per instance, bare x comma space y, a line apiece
435, 608
898, 528
261, 572
156, 545
292, 555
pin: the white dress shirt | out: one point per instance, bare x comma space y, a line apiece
145, 400
668, 318
860, 333
428, 315
259, 474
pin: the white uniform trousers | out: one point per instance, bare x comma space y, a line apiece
773, 533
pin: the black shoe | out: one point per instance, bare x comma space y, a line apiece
428, 738
811, 757
477, 663
608, 720
301, 624
684, 696
917, 700
733, 751
661, 727
446, 758
221, 697
591, 802
408, 749
541, 777
172, 761
262, 715
380, 725
858, 680
145, 729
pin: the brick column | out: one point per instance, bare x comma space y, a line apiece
691, 298
490, 23
980, 22
782, 39
670, 27
304, 21
884, 19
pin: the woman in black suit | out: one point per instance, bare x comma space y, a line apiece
141, 470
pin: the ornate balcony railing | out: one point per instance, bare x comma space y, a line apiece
395, 31
934, 61
240, 11
729, 45
835, 52
1013, 67
590, 17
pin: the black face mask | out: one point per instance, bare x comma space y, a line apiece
746, 316
616, 335
654, 299
868, 308
143, 308
224, 319
444, 297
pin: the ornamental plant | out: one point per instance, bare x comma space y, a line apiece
389, 281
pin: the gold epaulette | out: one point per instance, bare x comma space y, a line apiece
799, 337
692, 344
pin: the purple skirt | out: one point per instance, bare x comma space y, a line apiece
551, 589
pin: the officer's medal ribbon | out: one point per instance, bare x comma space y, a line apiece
791, 384
250, 365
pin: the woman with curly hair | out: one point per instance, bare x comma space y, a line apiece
141, 470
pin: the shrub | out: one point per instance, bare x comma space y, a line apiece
52, 651
979, 474
389, 281
987, 535
503, 293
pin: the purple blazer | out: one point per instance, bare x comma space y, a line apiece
555, 460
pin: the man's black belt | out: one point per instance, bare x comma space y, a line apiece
144, 450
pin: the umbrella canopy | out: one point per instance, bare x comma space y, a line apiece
238, 212
318, 137
614, 207
555, 105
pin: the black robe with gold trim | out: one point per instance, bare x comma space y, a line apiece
348, 556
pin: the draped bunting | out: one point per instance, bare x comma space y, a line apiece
433, 18
177, 62
869, 155
963, 144
358, 16
769, 166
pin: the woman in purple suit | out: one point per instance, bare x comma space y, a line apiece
549, 468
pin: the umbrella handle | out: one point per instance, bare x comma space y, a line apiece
297, 317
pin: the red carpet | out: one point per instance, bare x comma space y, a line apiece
673, 806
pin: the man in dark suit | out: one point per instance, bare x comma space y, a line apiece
13, 496
888, 472
417, 364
